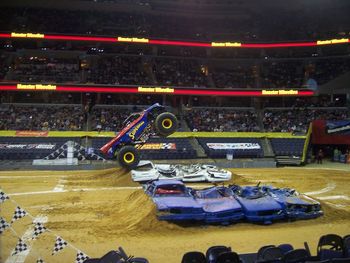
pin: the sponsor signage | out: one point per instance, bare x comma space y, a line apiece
24, 146
32, 133
226, 44
279, 92
338, 127
27, 35
155, 90
332, 41
36, 87
159, 146
234, 146
133, 39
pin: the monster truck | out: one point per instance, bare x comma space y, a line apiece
138, 128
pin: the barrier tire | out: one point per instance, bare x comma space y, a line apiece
128, 157
166, 123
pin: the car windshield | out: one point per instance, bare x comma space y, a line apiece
145, 167
214, 192
171, 190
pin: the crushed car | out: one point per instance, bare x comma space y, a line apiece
176, 202
295, 205
258, 206
147, 171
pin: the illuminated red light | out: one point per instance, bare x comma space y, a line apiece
179, 43
275, 45
5, 35
81, 38
216, 92
176, 43
176, 91
97, 89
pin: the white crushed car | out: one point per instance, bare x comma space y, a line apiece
147, 171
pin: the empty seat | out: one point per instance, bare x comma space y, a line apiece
330, 246
296, 256
193, 257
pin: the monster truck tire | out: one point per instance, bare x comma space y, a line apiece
128, 157
166, 124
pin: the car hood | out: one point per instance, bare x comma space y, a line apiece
219, 205
259, 204
178, 201
300, 200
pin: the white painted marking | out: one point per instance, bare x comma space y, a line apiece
21, 256
329, 187
338, 206
334, 197
78, 190
60, 186
269, 181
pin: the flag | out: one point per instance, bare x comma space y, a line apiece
39, 228
19, 213
59, 245
21, 246
3, 225
81, 257
3, 197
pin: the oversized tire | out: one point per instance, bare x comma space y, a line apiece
166, 124
128, 157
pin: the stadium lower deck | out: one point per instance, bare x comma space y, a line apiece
98, 210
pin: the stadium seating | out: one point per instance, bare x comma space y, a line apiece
287, 147
330, 250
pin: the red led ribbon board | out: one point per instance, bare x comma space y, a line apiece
154, 90
137, 40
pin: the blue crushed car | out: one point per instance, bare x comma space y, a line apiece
295, 205
176, 202
258, 206
224, 205
219, 205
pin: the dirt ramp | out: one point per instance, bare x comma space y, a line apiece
137, 215
105, 178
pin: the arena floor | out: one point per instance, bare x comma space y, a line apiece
97, 211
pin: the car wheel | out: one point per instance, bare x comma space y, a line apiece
166, 124
128, 157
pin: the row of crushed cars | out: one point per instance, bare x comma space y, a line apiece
229, 204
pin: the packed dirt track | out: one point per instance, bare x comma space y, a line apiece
97, 211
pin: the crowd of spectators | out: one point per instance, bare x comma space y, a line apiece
206, 119
328, 69
109, 119
298, 119
286, 74
41, 118
43, 69
238, 76
179, 72
169, 71
118, 70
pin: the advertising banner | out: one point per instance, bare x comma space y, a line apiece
159, 146
331, 132
234, 146
24, 146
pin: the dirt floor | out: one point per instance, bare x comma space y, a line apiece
97, 211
